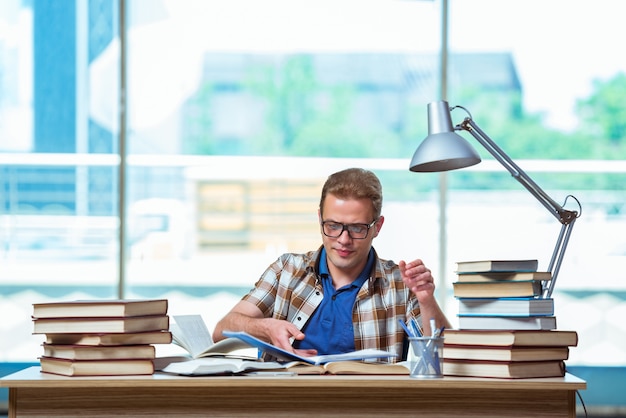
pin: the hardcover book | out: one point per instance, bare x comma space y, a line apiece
472, 352
482, 266
504, 276
100, 308
507, 323
506, 307
86, 352
511, 337
503, 369
124, 367
128, 338
100, 325
500, 289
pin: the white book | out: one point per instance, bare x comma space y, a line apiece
503, 322
485, 266
191, 333
506, 307
220, 366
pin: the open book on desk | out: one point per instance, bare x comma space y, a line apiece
237, 353
285, 355
224, 357
220, 366
232, 366
349, 367
190, 333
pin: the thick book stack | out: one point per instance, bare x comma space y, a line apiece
101, 337
505, 296
502, 294
509, 354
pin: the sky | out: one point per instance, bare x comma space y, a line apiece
559, 46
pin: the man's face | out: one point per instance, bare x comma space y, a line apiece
347, 255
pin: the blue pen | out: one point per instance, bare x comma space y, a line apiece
441, 330
436, 361
405, 328
416, 327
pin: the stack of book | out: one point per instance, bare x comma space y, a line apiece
502, 294
504, 297
510, 354
102, 337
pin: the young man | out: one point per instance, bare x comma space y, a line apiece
341, 297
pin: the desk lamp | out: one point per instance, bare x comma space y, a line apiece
443, 149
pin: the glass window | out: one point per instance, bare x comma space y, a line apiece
237, 111
548, 94
58, 170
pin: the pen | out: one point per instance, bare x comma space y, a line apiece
405, 328
441, 330
436, 360
416, 327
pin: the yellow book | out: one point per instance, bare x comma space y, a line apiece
501, 289
504, 276
127, 338
86, 352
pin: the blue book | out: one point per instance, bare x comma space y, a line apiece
506, 307
284, 355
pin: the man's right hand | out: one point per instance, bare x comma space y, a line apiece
247, 317
281, 333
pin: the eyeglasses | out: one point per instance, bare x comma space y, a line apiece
355, 231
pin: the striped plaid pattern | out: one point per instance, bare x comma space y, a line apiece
290, 289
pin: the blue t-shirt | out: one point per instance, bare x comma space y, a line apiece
329, 330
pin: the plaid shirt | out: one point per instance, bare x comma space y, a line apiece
290, 289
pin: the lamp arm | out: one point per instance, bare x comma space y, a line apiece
564, 216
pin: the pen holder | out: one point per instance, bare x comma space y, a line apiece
426, 357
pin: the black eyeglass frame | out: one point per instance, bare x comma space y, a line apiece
346, 227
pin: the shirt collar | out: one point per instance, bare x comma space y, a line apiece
362, 277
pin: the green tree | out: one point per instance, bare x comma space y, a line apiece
285, 87
604, 117
522, 135
198, 123
305, 117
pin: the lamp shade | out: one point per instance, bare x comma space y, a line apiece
443, 149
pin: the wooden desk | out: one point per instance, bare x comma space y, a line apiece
33, 394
